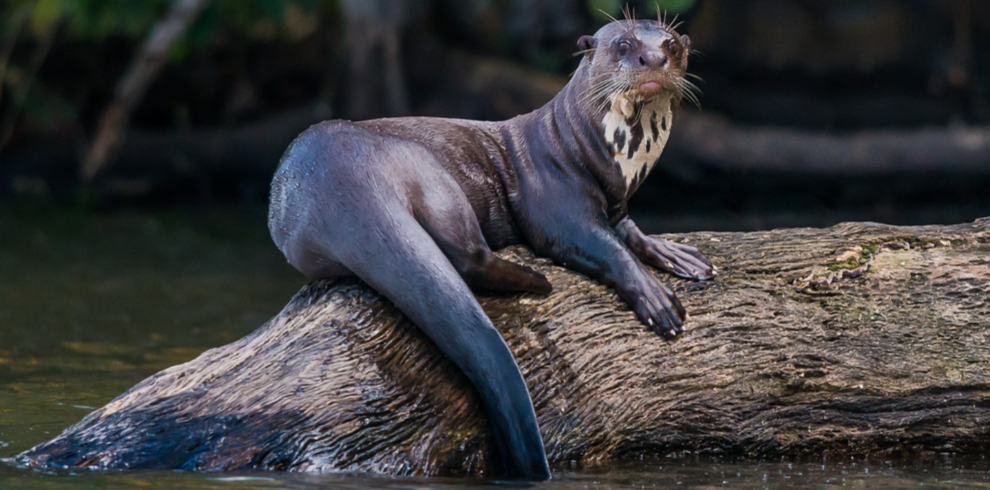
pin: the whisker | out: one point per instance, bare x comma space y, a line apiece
609, 99
689, 91
606, 93
630, 14
597, 83
642, 107
687, 83
592, 98
605, 89
668, 25
599, 91
599, 88
608, 15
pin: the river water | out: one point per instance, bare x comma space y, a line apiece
92, 302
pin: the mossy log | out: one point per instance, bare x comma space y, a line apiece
777, 360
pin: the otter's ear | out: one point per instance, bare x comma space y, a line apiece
686, 42
587, 43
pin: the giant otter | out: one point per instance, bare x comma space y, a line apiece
414, 207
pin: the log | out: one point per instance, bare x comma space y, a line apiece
717, 142
784, 356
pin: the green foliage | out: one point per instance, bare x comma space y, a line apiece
44, 14
98, 19
36, 24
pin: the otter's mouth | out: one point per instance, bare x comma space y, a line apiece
653, 85
650, 88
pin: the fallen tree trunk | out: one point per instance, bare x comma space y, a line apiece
782, 356
716, 141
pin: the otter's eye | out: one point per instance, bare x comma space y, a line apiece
624, 48
674, 47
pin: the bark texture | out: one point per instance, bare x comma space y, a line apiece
776, 361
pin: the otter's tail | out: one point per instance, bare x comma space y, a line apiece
406, 266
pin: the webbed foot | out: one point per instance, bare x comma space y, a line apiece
676, 258
654, 304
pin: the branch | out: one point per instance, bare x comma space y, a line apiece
146, 65
46, 39
715, 141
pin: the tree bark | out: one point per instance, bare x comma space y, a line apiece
776, 361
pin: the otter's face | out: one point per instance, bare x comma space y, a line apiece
642, 59
636, 77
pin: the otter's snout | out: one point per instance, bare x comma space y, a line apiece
653, 59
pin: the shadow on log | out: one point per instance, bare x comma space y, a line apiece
894, 360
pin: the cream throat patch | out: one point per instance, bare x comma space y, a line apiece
637, 132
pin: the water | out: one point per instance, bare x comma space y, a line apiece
696, 474
91, 303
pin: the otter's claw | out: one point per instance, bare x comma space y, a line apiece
676, 258
654, 304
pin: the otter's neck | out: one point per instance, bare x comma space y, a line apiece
618, 143
563, 131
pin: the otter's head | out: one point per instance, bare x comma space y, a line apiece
637, 59
632, 78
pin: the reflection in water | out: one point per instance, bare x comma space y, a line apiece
938, 473
90, 304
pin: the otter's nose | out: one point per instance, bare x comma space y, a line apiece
653, 59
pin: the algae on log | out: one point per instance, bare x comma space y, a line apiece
896, 359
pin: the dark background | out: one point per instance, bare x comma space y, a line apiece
831, 78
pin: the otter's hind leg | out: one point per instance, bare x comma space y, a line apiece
501, 276
452, 224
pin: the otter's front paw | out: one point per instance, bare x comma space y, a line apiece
676, 258
654, 304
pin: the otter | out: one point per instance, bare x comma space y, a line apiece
414, 207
